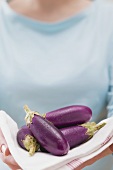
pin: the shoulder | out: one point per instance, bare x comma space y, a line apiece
105, 8
103, 15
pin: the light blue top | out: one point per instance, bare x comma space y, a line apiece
52, 65
49, 66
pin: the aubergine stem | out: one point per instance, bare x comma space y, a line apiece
31, 144
29, 114
43, 115
89, 124
92, 128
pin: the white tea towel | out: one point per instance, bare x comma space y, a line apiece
46, 161
77, 162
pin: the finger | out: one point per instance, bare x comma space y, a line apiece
3, 145
8, 159
2, 139
12, 167
111, 148
5, 150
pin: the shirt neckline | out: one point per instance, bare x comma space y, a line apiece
45, 26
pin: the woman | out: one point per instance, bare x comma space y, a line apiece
54, 54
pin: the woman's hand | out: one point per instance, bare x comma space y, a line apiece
5, 154
106, 152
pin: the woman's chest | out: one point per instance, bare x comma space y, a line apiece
71, 64
53, 71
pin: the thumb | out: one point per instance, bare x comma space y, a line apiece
111, 147
5, 150
3, 145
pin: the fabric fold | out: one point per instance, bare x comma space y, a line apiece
44, 161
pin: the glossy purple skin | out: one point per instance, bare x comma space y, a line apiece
48, 136
21, 134
75, 135
70, 115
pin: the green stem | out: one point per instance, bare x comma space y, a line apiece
31, 144
99, 126
89, 124
29, 114
43, 115
92, 129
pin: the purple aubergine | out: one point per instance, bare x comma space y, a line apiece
69, 116
26, 140
76, 135
48, 136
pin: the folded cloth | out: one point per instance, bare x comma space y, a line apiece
77, 162
45, 161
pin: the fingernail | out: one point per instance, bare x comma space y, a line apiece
3, 149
